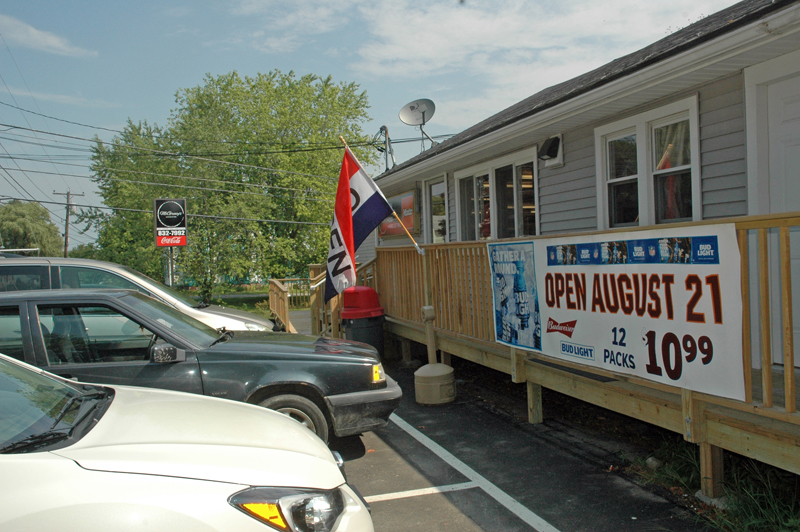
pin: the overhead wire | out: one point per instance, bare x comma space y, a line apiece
188, 215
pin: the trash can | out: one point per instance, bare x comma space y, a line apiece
362, 317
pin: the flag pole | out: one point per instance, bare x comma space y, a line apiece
419, 249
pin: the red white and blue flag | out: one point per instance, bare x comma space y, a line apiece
360, 208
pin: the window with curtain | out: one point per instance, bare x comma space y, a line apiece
648, 167
672, 173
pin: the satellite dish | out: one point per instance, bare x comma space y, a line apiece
418, 112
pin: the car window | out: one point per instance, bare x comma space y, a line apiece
184, 298
79, 277
31, 277
11, 333
78, 334
185, 326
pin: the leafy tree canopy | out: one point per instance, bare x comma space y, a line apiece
27, 225
257, 160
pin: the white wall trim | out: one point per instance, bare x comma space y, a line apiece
642, 124
757, 79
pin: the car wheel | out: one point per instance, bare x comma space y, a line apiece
302, 410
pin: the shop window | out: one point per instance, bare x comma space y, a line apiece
437, 212
498, 200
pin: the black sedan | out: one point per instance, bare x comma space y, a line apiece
124, 337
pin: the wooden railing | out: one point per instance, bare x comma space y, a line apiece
455, 279
326, 318
279, 304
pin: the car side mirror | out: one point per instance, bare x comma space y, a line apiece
166, 353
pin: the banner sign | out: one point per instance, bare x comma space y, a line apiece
662, 305
170, 222
405, 206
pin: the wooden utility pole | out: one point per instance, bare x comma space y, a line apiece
69, 194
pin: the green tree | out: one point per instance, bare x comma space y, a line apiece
238, 149
26, 225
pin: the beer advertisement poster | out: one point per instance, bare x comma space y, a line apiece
661, 305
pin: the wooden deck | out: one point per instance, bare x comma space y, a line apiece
455, 280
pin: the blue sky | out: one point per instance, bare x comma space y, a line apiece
100, 63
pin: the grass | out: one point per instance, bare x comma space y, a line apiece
761, 498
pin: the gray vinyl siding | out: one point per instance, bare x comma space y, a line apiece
722, 148
366, 252
567, 195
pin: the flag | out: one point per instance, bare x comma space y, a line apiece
360, 208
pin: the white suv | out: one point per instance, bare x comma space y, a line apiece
98, 458
53, 272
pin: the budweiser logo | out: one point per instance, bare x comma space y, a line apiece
566, 328
171, 241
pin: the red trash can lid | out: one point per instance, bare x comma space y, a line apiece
360, 302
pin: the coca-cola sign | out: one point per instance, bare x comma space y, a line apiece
170, 222
171, 241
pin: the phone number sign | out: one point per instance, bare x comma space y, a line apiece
170, 222
661, 305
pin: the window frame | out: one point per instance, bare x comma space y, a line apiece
644, 125
489, 168
427, 208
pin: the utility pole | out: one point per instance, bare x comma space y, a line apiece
69, 194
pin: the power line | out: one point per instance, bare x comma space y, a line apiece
208, 216
170, 154
150, 183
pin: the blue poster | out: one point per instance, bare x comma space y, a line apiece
516, 301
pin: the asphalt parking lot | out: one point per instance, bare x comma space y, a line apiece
461, 467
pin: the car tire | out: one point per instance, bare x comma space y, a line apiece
302, 410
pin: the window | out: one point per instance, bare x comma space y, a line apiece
437, 212
648, 167
467, 210
498, 201
78, 277
30, 277
85, 335
11, 333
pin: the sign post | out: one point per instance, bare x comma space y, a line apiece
170, 226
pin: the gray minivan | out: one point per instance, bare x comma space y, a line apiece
29, 273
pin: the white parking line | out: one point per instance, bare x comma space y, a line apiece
423, 491
493, 491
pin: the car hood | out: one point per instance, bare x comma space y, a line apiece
254, 343
238, 314
191, 436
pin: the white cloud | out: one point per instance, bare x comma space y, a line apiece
17, 32
289, 25
504, 50
509, 49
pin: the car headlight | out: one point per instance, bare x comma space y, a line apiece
254, 327
292, 509
378, 375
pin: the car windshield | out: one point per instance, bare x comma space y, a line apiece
182, 325
31, 403
183, 298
